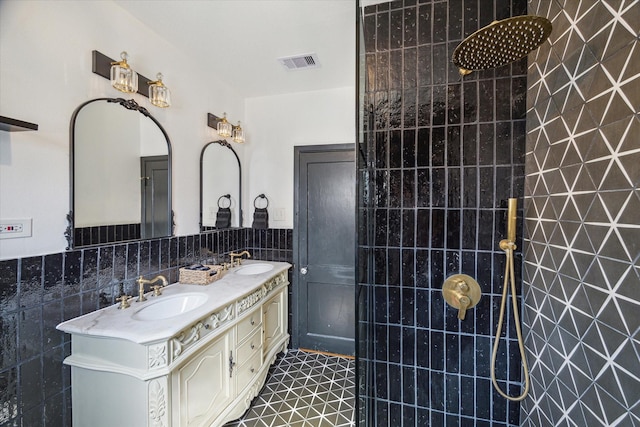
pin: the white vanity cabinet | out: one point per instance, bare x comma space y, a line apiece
202, 386
274, 311
248, 356
202, 373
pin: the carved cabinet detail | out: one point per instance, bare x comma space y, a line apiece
203, 374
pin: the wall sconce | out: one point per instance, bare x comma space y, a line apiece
226, 129
238, 134
159, 94
104, 66
123, 77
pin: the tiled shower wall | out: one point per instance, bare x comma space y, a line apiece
37, 293
582, 262
439, 157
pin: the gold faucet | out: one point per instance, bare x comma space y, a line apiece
156, 289
123, 302
234, 255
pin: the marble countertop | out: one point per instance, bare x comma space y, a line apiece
111, 322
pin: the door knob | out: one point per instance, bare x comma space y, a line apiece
303, 270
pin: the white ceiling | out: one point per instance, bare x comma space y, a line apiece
253, 34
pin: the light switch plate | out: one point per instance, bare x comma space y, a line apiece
278, 214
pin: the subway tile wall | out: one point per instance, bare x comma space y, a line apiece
582, 258
439, 157
273, 245
103, 234
37, 293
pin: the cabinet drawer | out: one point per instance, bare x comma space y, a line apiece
248, 371
247, 325
252, 345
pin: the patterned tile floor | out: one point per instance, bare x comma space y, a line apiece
304, 390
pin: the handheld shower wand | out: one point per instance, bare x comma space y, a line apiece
512, 217
508, 245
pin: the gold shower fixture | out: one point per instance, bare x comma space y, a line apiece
501, 43
508, 245
462, 292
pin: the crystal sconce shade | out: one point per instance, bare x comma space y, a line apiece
224, 127
123, 77
238, 134
159, 94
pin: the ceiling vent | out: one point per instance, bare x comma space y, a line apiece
299, 62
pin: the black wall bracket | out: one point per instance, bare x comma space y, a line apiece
212, 120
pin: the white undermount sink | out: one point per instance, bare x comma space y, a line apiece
252, 269
170, 306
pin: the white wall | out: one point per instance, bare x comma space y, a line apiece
278, 123
45, 73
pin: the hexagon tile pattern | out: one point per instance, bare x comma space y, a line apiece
582, 217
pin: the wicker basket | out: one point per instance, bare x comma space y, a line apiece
199, 277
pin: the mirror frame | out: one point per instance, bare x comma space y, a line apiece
223, 143
132, 105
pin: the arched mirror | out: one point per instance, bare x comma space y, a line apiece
220, 186
120, 174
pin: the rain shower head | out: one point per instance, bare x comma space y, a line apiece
501, 42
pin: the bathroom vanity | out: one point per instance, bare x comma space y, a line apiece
193, 356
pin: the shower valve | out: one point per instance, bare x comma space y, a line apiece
464, 303
461, 292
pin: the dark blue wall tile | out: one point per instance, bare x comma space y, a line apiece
31, 385
89, 277
9, 339
451, 178
51, 316
53, 277
423, 391
9, 392
58, 287
30, 284
8, 285
105, 266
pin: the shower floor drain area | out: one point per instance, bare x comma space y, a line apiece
304, 390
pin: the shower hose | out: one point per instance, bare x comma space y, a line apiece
509, 278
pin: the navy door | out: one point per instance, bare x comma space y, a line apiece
156, 219
324, 249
